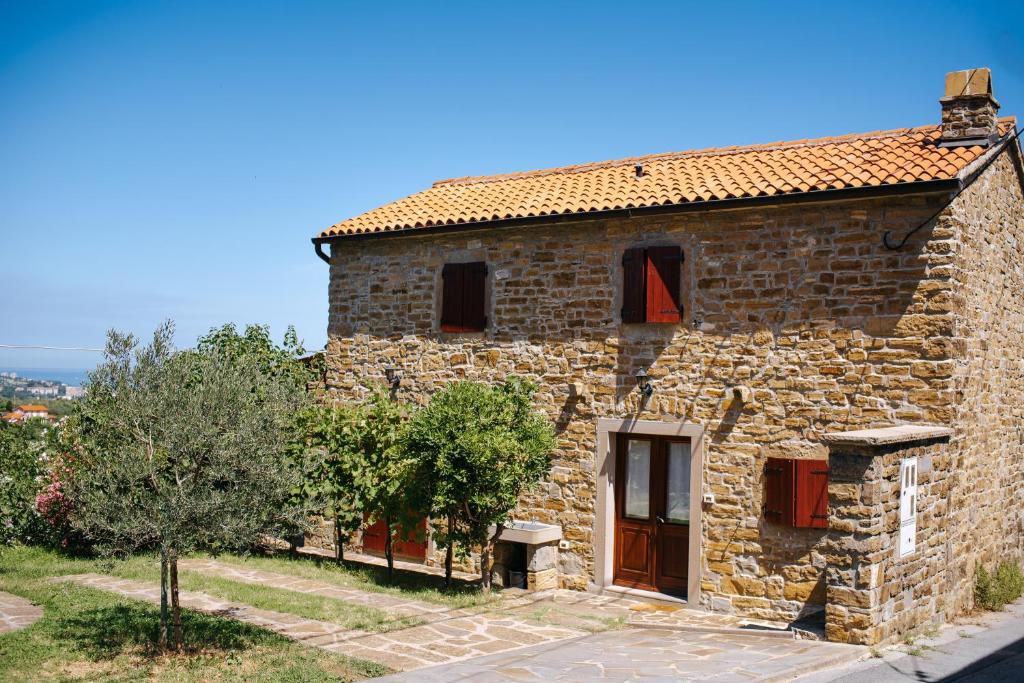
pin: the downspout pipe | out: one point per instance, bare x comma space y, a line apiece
318, 246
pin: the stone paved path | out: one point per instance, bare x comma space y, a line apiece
570, 603
647, 655
308, 631
534, 624
452, 640
17, 612
453, 636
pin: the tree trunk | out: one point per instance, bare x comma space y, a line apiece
389, 548
448, 553
164, 621
175, 605
339, 549
485, 559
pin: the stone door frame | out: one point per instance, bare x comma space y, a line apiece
604, 512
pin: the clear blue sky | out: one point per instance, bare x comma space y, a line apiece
172, 159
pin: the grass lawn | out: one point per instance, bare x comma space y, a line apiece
91, 635
425, 587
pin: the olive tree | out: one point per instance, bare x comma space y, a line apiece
182, 450
477, 449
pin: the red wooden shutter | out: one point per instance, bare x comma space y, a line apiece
663, 284
633, 271
474, 312
452, 290
811, 500
778, 491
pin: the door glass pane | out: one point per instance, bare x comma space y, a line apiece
678, 499
638, 479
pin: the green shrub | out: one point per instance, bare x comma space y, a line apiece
993, 591
22, 471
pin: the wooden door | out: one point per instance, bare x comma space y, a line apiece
375, 537
652, 513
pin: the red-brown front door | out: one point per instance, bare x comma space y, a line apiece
375, 536
652, 513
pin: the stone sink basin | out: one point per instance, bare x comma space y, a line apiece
530, 533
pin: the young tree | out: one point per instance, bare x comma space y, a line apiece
365, 472
330, 432
181, 450
477, 448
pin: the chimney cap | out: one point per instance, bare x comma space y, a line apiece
969, 83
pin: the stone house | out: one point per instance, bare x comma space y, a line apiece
787, 379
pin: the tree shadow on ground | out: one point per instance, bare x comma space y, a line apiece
403, 578
106, 632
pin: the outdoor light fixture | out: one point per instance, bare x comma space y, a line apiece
393, 376
643, 383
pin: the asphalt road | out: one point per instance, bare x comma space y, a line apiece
995, 653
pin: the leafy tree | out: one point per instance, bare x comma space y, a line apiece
284, 362
330, 432
181, 450
477, 448
365, 472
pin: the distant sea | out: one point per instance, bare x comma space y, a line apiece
74, 378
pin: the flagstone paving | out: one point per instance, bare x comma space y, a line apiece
571, 604
452, 640
17, 612
449, 639
552, 633
648, 655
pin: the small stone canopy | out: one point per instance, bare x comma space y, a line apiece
887, 436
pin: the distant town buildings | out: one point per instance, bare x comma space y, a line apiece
15, 387
26, 412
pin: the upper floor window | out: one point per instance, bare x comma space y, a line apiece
462, 297
650, 288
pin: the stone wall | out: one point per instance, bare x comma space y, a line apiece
986, 230
802, 304
971, 490
874, 595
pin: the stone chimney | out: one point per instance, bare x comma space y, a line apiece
969, 112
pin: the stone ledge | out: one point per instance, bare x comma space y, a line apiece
885, 436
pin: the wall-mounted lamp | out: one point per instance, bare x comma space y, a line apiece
643, 383
393, 376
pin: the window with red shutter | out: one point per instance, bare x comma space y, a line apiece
811, 500
463, 304
796, 493
650, 285
663, 284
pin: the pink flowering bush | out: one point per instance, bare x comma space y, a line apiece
51, 503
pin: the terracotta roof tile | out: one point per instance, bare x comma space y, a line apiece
906, 155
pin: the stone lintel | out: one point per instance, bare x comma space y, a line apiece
887, 436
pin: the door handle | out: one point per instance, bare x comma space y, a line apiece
661, 520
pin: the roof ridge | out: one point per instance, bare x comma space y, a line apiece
664, 156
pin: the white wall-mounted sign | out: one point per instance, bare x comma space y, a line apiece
908, 506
